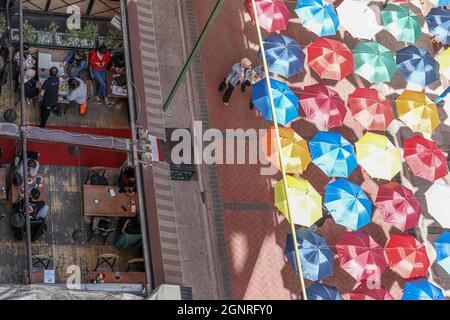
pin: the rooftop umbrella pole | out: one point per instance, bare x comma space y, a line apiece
278, 140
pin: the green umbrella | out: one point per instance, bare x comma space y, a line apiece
401, 22
374, 62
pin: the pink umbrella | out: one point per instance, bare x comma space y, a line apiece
323, 106
398, 206
361, 256
273, 14
370, 291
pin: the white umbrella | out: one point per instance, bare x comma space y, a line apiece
358, 19
438, 202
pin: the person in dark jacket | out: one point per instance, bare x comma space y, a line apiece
49, 92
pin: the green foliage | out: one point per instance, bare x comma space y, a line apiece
2, 24
113, 39
29, 32
53, 27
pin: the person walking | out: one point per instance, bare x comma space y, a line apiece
239, 72
99, 60
49, 92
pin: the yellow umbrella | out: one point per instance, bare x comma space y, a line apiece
444, 63
306, 202
417, 111
378, 156
294, 149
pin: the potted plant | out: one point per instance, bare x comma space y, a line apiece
46, 35
88, 35
113, 39
29, 32
2, 25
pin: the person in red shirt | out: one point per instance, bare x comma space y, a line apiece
99, 60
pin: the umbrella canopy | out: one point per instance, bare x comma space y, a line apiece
323, 106
348, 204
333, 154
401, 22
369, 109
294, 149
316, 255
406, 256
398, 206
444, 63
424, 158
421, 289
318, 16
285, 101
438, 202
374, 62
361, 257
330, 59
305, 201
319, 291
438, 21
358, 19
442, 246
438, 3
378, 156
417, 65
273, 15
417, 111
284, 55
365, 292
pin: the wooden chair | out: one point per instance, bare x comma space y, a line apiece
95, 171
108, 227
136, 265
108, 259
39, 260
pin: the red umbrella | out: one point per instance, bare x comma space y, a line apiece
406, 256
331, 59
370, 291
361, 256
424, 158
273, 14
372, 111
398, 206
323, 106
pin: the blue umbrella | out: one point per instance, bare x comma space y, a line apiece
442, 246
284, 55
438, 21
333, 154
348, 204
421, 290
417, 65
439, 3
318, 16
319, 291
286, 102
316, 255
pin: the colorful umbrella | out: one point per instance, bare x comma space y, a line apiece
438, 21
378, 156
273, 15
286, 102
358, 19
374, 62
438, 3
294, 149
444, 63
424, 158
316, 255
398, 206
348, 204
333, 154
366, 291
417, 65
421, 289
305, 201
318, 16
401, 22
417, 111
438, 203
406, 256
361, 257
442, 247
323, 106
319, 291
330, 59
284, 55
372, 111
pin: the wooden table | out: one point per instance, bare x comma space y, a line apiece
107, 205
3, 195
17, 193
125, 277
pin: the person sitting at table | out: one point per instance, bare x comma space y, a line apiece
75, 63
77, 92
127, 181
38, 210
31, 90
99, 60
28, 61
118, 62
49, 92
130, 235
33, 167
